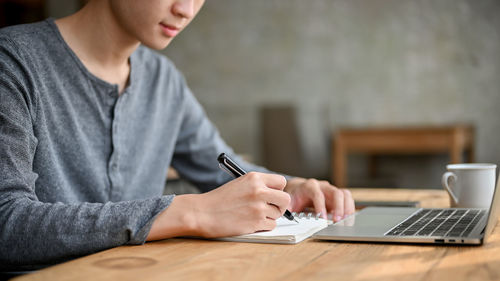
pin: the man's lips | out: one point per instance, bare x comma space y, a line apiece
169, 30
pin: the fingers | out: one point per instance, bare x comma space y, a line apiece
340, 202
278, 199
268, 188
268, 224
265, 216
313, 190
323, 197
269, 180
349, 207
272, 212
318, 199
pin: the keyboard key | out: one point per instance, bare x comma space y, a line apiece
474, 222
438, 222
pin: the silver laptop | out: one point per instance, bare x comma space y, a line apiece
417, 225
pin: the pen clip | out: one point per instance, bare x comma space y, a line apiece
229, 166
223, 167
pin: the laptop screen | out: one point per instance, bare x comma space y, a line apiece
494, 209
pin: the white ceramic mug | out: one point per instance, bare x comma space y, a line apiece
470, 185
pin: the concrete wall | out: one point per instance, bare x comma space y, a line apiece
348, 63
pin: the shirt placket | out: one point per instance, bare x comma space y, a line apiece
115, 176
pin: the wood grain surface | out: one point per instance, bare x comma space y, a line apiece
192, 259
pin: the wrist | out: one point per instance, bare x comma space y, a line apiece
178, 219
186, 212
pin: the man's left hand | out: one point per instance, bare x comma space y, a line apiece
321, 195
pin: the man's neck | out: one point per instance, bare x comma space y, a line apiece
99, 41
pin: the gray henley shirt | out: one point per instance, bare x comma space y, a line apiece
82, 169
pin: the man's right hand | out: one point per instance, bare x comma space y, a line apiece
245, 205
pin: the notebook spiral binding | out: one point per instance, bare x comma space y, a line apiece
308, 215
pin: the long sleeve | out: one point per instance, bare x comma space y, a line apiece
35, 233
198, 145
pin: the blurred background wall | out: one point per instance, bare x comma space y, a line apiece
345, 63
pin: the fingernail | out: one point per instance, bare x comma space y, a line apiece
323, 215
338, 218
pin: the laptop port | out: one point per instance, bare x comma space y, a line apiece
451, 240
439, 240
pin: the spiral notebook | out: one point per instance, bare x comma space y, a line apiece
286, 232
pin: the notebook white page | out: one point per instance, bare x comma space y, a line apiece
286, 232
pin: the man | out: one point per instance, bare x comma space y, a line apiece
90, 120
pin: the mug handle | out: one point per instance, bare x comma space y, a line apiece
444, 182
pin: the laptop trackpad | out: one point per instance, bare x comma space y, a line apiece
373, 221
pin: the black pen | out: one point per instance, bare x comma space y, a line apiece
228, 165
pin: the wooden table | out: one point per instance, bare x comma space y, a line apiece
453, 140
190, 259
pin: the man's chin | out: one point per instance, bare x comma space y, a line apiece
158, 44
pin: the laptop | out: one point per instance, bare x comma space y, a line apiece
457, 226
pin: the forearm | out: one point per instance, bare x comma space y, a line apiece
35, 234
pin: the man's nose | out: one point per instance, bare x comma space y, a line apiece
183, 8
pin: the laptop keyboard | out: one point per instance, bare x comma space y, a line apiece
439, 222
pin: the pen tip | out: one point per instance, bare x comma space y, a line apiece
296, 220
